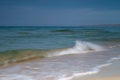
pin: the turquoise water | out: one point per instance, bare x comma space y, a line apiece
32, 37
65, 52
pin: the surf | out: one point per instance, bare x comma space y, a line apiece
15, 56
79, 48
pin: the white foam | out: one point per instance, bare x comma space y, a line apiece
78, 75
93, 71
116, 58
15, 77
80, 47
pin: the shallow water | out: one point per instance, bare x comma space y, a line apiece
63, 67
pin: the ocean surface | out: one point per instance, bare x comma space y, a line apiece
64, 51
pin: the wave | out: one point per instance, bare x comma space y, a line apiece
93, 71
63, 30
15, 77
14, 56
80, 47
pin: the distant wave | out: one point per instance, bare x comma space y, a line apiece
63, 30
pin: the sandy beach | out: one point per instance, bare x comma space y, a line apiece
110, 72
107, 78
106, 73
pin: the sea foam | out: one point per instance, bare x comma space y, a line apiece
14, 56
15, 77
80, 47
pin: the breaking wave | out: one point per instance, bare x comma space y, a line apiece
14, 56
80, 47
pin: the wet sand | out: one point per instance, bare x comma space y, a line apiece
107, 78
111, 72
32, 69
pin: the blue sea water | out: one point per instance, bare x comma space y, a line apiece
67, 51
52, 37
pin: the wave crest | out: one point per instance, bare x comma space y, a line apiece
14, 56
80, 47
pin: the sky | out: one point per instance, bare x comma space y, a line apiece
59, 12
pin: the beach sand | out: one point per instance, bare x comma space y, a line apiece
107, 78
111, 72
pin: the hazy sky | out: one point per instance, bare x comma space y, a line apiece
58, 12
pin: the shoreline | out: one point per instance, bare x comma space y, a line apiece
110, 72
107, 72
20, 62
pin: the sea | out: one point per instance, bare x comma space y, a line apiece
56, 52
